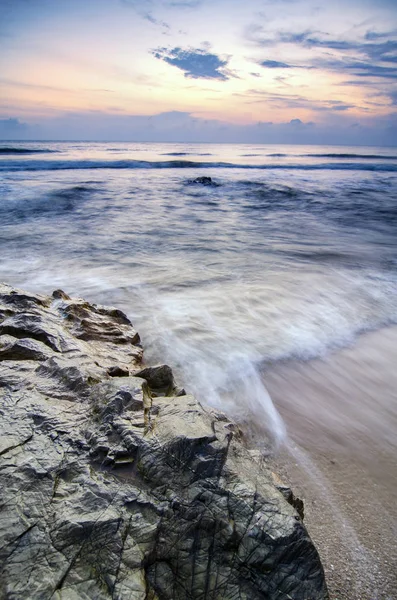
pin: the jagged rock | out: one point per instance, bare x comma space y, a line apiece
112, 489
117, 371
289, 495
160, 380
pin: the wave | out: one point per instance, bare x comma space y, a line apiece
340, 155
175, 153
348, 155
61, 165
16, 150
56, 202
186, 154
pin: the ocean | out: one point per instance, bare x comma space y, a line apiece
260, 288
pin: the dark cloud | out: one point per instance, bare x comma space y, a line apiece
375, 35
360, 69
357, 68
274, 64
195, 63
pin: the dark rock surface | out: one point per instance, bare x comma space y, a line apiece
204, 180
115, 484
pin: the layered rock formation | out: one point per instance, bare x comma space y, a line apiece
115, 484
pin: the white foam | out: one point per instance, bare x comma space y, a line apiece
217, 336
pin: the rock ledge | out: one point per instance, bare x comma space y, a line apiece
116, 484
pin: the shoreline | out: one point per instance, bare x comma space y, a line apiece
341, 415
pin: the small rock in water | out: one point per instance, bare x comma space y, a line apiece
202, 180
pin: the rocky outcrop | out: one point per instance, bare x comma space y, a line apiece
116, 484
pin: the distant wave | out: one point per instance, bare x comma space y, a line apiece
333, 155
364, 156
186, 154
61, 165
16, 150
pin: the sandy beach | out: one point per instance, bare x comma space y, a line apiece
341, 414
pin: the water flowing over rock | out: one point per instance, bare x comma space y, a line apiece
117, 484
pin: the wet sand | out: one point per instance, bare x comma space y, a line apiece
341, 458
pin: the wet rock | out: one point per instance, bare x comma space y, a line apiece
60, 295
203, 181
290, 497
117, 371
160, 380
23, 349
113, 487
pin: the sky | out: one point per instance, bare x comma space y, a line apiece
253, 71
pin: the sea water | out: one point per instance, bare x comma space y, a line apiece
289, 252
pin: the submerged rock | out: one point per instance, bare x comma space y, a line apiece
113, 486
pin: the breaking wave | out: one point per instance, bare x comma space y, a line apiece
16, 150
61, 165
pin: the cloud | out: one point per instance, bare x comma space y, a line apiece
393, 98
144, 10
372, 56
359, 69
195, 63
294, 101
274, 64
12, 128
175, 126
185, 3
375, 35
149, 17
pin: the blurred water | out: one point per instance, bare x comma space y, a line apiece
291, 253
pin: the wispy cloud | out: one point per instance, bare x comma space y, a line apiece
149, 17
295, 101
274, 64
185, 3
145, 10
368, 60
52, 88
195, 63
372, 56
